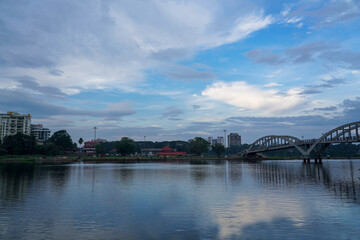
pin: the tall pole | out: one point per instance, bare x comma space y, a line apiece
225, 138
95, 133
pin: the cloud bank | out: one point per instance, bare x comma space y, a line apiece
252, 97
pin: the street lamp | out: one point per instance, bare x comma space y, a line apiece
95, 133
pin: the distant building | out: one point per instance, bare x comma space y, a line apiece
41, 134
167, 151
220, 140
234, 139
12, 123
213, 141
90, 146
150, 151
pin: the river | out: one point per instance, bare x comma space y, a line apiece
202, 200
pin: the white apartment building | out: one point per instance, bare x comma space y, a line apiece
220, 140
213, 141
12, 123
41, 134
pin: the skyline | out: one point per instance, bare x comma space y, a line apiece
173, 70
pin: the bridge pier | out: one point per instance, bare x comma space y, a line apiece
318, 160
308, 160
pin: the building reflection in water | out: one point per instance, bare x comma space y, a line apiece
229, 171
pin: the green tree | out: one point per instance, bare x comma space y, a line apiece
49, 149
125, 146
2, 150
199, 146
19, 144
100, 149
62, 140
108, 146
218, 148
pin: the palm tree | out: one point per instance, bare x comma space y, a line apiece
80, 141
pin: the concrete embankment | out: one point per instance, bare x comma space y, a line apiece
147, 160
41, 160
66, 160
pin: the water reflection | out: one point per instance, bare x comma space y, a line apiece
14, 181
207, 200
246, 211
340, 178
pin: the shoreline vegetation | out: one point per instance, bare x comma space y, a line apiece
120, 159
60, 148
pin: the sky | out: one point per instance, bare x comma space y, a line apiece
177, 69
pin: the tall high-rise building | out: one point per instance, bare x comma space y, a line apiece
234, 139
12, 123
41, 134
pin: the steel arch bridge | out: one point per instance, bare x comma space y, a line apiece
347, 133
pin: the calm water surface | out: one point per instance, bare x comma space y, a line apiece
212, 200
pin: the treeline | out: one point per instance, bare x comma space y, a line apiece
60, 143
128, 146
198, 146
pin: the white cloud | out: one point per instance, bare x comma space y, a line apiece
293, 20
286, 11
243, 27
253, 97
110, 44
273, 84
274, 74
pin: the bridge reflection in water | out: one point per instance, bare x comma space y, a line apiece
340, 180
347, 133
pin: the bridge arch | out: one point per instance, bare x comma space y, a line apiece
338, 135
263, 143
349, 132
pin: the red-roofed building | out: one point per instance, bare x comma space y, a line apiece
89, 146
167, 151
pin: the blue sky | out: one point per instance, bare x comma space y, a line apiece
173, 70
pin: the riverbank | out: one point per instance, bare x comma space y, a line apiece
40, 160
65, 160
75, 159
